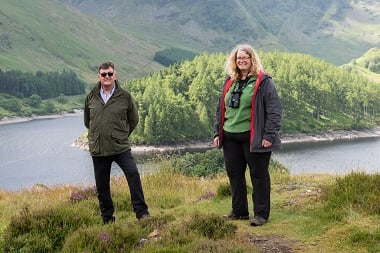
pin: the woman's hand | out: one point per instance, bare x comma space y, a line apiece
216, 141
264, 143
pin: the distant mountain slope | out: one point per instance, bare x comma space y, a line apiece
52, 35
334, 30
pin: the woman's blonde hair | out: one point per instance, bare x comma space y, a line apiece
234, 71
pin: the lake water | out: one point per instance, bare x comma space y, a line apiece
332, 157
41, 152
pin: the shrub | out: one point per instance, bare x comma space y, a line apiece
62, 99
279, 173
365, 239
12, 105
43, 230
356, 191
204, 164
48, 108
211, 162
83, 194
211, 226
115, 238
224, 190
34, 100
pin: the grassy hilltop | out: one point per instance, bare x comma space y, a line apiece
310, 213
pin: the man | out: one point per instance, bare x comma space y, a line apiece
111, 115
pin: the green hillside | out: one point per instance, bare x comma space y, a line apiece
334, 30
49, 36
367, 65
52, 35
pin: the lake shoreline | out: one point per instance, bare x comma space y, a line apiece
205, 145
329, 136
15, 120
332, 136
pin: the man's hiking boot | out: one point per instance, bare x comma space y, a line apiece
232, 216
108, 219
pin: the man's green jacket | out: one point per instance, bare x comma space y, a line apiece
110, 124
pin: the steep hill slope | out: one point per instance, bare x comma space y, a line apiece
334, 30
50, 36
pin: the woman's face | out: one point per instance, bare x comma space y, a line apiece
243, 61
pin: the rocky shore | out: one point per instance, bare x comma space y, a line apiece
332, 136
286, 139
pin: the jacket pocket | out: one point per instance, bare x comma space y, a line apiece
120, 137
94, 143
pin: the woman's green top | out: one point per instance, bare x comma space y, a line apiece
237, 120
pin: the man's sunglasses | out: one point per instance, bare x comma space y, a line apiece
105, 74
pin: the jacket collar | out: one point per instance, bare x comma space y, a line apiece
116, 92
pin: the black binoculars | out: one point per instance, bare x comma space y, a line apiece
235, 99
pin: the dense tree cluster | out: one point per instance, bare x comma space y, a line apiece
318, 96
373, 63
178, 103
171, 56
45, 85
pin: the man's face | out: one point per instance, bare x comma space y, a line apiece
107, 77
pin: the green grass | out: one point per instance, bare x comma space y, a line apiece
310, 213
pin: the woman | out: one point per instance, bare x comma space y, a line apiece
248, 120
